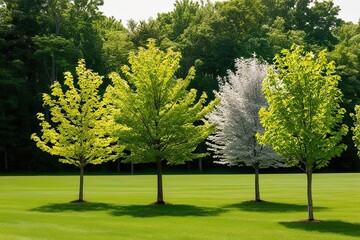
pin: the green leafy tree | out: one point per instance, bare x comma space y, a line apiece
17, 24
152, 28
159, 119
11, 83
55, 52
83, 18
280, 38
242, 20
177, 21
303, 120
206, 44
116, 44
316, 18
79, 131
347, 57
356, 128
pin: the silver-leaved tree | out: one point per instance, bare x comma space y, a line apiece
234, 142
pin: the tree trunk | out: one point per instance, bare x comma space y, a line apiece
160, 198
309, 195
132, 168
53, 68
200, 165
81, 189
257, 185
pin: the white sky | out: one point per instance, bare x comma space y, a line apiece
144, 9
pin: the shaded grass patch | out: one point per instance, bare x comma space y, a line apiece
337, 227
166, 210
271, 207
71, 207
142, 211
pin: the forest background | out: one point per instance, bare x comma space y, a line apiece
41, 39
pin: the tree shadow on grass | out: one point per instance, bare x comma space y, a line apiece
337, 227
142, 211
271, 207
75, 207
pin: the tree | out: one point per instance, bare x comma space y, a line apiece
55, 53
79, 131
245, 22
303, 120
160, 119
280, 38
322, 20
178, 20
315, 18
237, 120
83, 16
116, 44
356, 128
17, 25
347, 57
205, 44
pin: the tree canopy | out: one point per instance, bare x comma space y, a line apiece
160, 120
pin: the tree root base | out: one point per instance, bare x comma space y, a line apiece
310, 220
160, 203
259, 200
79, 201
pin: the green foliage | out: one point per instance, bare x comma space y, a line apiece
356, 128
15, 97
347, 56
116, 44
279, 38
56, 53
316, 18
79, 130
184, 13
303, 120
143, 30
159, 118
321, 21
40, 39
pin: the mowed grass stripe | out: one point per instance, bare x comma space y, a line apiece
203, 207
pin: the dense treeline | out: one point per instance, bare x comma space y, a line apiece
40, 39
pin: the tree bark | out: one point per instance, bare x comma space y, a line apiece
309, 195
257, 184
160, 197
53, 68
200, 165
81, 189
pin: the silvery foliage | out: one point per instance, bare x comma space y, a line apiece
234, 141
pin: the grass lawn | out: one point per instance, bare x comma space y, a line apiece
204, 207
